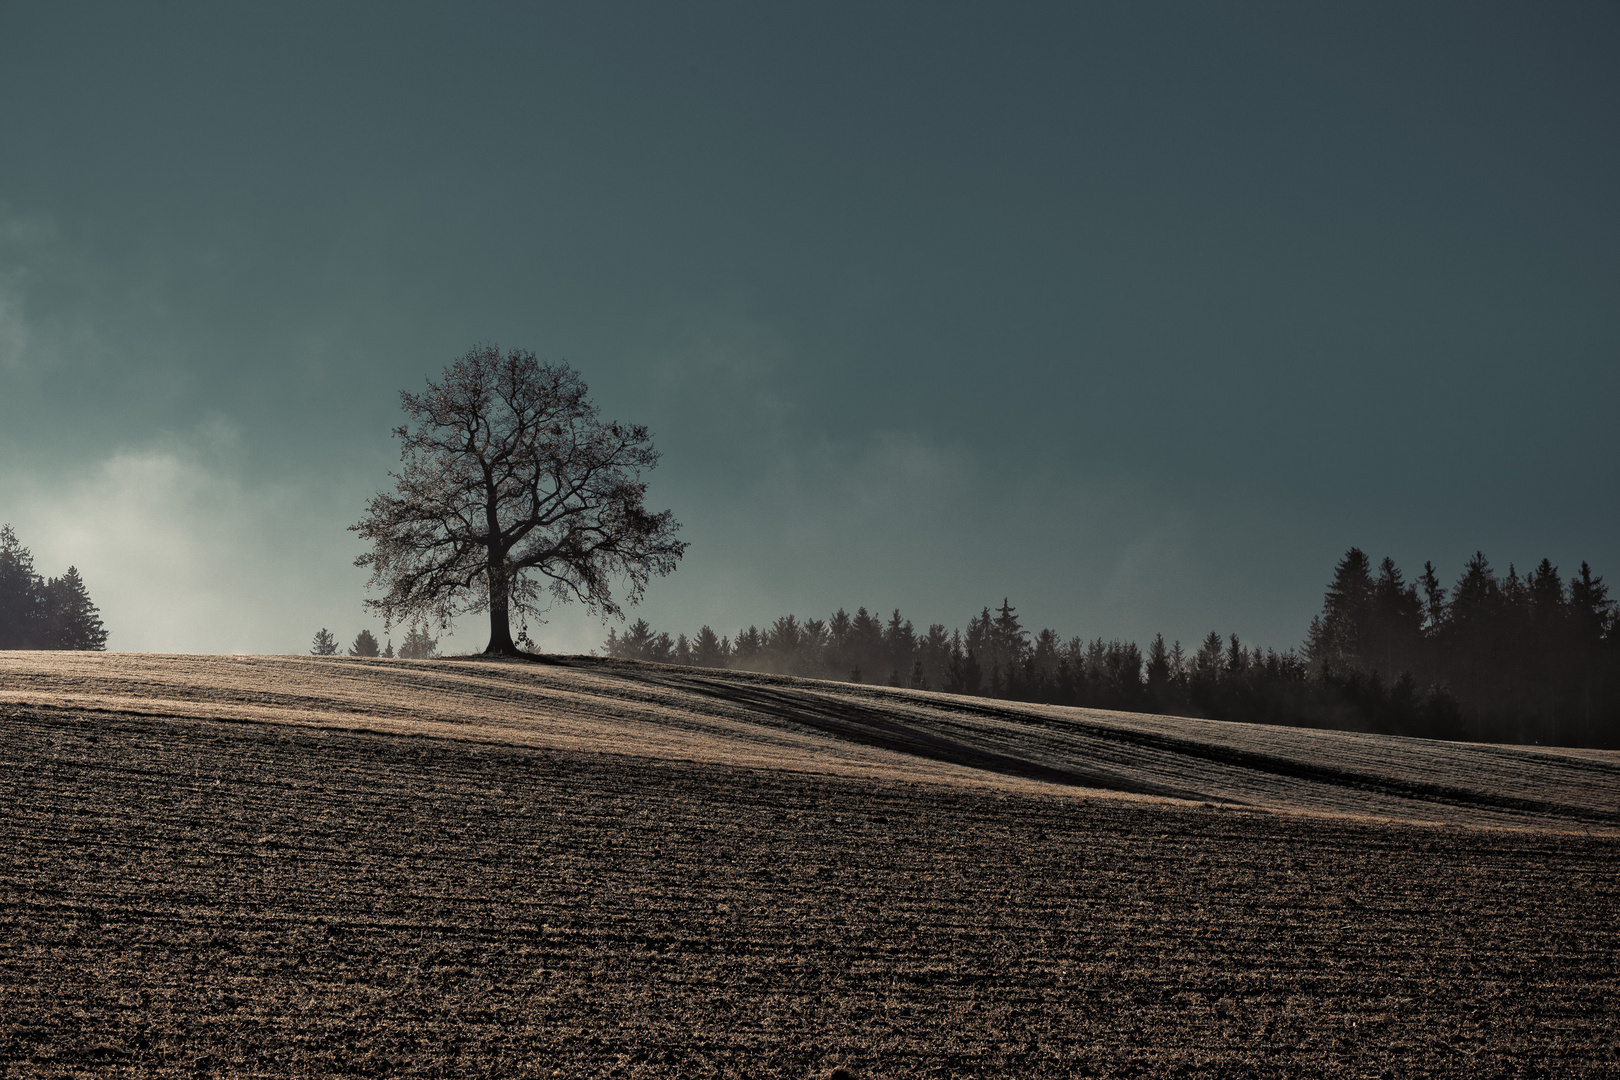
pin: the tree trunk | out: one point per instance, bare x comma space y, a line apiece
500, 618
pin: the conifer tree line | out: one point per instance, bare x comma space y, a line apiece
418, 645
1505, 659
43, 613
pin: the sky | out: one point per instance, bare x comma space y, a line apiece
1138, 315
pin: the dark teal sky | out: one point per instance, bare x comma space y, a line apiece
1139, 314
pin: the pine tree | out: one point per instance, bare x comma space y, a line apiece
1043, 665
660, 648
812, 659
1009, 640
963, 674
934, 653
780, 647
866, 651
637, 642
1435, 604
325, 643
1394, 624
1339, 635
364, 645
1592, 626
900, 645
745, 649
69, 619
1158, 669
708, 651
20, 601
417, 644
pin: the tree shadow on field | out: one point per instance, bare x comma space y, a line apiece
888, 729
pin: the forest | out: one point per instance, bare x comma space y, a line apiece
43, 613
1522, 658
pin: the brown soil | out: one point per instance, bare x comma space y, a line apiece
284, 866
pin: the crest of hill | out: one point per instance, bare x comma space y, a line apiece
659, 712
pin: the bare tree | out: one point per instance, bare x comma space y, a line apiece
512, 489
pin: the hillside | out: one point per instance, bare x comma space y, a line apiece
272, 866
840, 729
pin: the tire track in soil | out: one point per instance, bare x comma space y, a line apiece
184, 898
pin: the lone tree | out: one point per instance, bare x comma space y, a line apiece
512, 487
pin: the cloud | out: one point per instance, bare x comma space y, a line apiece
182, 554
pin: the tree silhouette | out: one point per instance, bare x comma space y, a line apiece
70, 620
1339, 635
325, 643
707, 650
364, 645
20, 601
512, 488
418, 644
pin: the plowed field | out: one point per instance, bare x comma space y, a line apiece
288, 866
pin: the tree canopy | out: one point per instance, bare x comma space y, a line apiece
513, 492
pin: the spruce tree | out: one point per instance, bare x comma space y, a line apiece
1340, 634
1434, 601
706, 651
1395, 624
70, 620
934, 651
364, 645
325, 643
866, 651
417, 644
20, 601
812, 657
1592, 638
1009, 640
661, 648
745, 649
900, 643
781, 644
1158, 668
636, 644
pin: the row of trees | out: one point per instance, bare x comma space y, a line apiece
43, 613
1527, 658
1517, 659
418, 645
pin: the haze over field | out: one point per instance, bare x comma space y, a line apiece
1138, 317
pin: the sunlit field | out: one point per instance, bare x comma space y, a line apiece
311, 866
